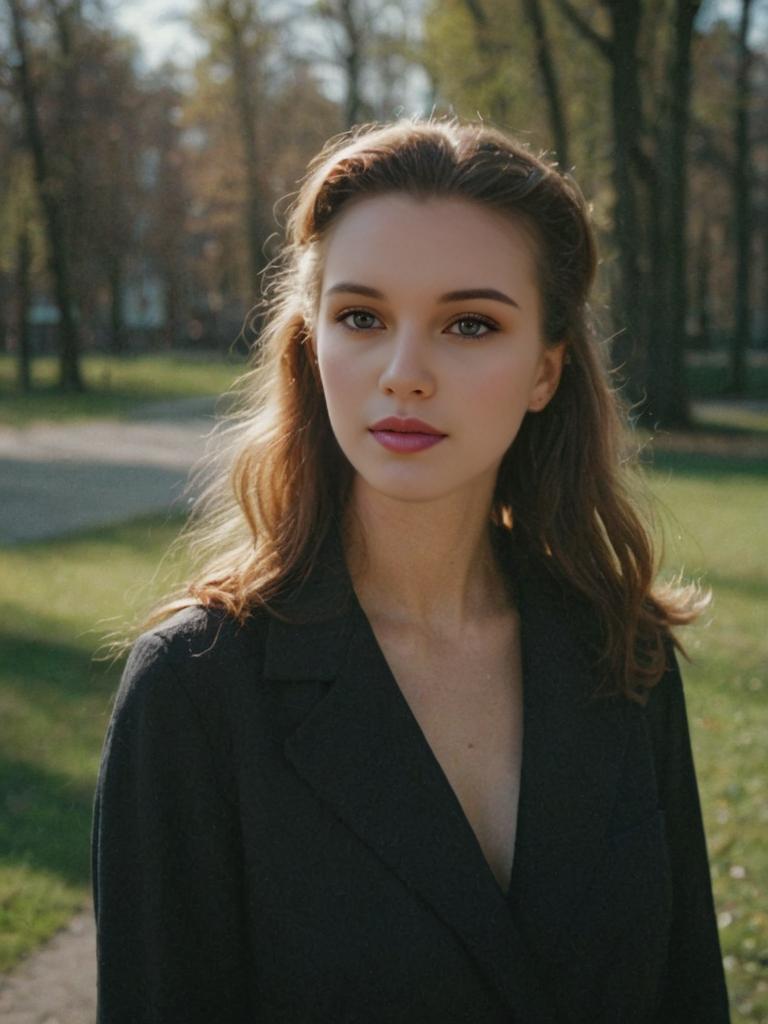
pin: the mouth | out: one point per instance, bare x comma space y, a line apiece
417, 433
404, 442
407, 426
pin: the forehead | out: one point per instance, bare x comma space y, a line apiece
400, 239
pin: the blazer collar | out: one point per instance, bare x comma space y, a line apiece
363, 752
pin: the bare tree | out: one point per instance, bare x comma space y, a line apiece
620, 50
703, 271
742, 202
355, 30
650, 199
549, 79
49, 197
241, 35
667, 394
22, 288
494, 50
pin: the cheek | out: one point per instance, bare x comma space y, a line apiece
499, 400
341, 379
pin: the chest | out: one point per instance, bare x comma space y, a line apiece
468, 701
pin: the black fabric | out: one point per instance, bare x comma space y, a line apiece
274, 840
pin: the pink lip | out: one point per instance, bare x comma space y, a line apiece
405, 434
406, 442
407, 425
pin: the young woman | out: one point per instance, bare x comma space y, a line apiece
414, 746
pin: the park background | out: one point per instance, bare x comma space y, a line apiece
147, 153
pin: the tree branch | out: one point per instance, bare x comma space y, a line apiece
603, 45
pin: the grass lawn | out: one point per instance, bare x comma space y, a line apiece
116, 387
54, 703
56, 602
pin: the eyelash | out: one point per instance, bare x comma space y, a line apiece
474, 317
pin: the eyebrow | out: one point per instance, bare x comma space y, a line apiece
460, 295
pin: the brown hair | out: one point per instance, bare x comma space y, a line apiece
564, 486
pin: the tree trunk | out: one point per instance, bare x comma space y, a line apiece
66, 16
490, 53
70, 377
172, 291
703, 301
626, 112
629, 349
549, 80
23, 346
666, 383
651, 247
116, 318
742, 209
353, 61
246, 112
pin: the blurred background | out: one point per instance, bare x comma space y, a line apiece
148, 151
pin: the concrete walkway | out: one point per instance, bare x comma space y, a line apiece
57, 984
56, 479
60, 478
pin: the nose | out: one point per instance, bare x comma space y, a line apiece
406, 372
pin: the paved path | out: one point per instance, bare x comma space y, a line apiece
57, 984
60, 478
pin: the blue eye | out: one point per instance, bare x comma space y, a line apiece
362, 320
470, 325
473, 323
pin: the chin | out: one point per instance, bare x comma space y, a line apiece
415, 487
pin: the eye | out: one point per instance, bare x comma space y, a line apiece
469, 326
362, 319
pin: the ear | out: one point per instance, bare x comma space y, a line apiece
548, 376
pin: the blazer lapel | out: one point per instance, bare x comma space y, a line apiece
573, 751
363, 752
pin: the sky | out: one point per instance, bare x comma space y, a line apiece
162, 32
160, 28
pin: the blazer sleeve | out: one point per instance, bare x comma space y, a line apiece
694, 988
166, 859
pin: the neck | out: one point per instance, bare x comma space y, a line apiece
424, 565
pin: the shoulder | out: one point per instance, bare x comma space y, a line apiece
198, 637
184, 688
199, 654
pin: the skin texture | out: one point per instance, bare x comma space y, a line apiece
472, 368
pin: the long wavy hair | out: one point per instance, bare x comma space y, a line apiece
567, 487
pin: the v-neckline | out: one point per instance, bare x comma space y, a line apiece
364, 622
363, 754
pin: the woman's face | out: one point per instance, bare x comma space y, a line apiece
429, 308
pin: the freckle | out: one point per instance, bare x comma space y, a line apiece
470, 745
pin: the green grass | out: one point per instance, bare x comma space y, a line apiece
116, 387
57, 600
54, 702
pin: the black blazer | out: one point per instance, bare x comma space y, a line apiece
274, 840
